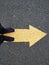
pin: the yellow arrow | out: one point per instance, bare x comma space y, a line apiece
31, 35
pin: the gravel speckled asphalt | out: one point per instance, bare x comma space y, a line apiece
21, 14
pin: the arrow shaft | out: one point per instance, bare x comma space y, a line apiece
20, 35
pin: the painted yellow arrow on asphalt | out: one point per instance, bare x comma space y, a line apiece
31, 35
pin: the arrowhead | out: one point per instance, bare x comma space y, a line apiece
35, 35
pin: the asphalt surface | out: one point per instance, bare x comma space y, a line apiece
21, 14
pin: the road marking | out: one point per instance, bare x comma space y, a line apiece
31, 35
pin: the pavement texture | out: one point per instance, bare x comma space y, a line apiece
21, 14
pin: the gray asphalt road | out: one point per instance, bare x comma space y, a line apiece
21, 14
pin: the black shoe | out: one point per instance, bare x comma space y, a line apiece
6, 38
8, 30
1, 39
5, 30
